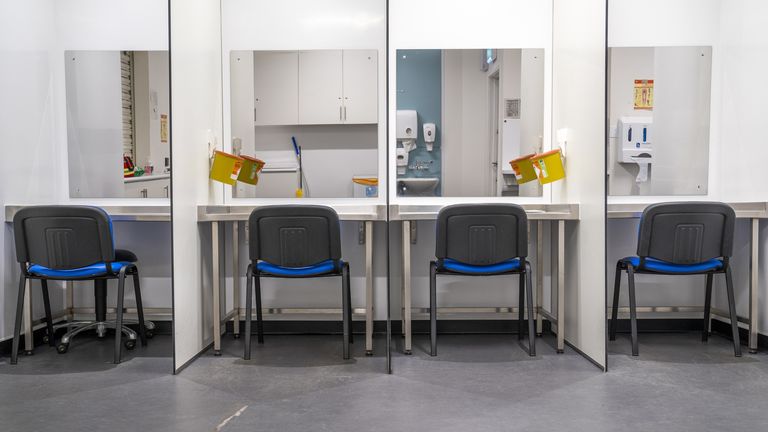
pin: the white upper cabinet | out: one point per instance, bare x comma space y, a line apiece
315, 87
360, 72
275, 89
320, 87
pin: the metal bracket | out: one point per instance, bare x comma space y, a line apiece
361, 233
413, 232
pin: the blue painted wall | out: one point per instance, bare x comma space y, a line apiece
419, 87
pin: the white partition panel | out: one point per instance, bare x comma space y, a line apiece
578, 100
195, 122
737, 31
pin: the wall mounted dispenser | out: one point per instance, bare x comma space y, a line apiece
429, 135
634, 144
407, 126
402, 160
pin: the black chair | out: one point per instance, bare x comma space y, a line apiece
70, 243
483, 240
685, 238
294, 241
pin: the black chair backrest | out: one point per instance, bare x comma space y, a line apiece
63, 237
482, 234
294, 235
686, 232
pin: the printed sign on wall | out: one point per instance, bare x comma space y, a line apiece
643, 94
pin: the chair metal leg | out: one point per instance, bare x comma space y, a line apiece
259, 315
139, 307
349, 306
432, 308
521, 307
119, 315
248, 312
48, 316
345, 301
732, 312
615, 308
531, 314
707, 308
632, 309
19, 316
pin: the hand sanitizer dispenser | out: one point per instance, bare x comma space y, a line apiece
407, 127
634, 144
429, 135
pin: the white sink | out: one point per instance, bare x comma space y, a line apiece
418, 186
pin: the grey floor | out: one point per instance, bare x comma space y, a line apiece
477, 383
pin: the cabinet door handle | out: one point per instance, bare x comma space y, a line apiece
144, 193
254, 114
339, 112
345, 113
166, 191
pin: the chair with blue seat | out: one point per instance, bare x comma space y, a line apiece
686, 238
483, 240
73, 243
294, 241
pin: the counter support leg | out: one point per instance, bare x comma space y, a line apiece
539, 274
753, 284
215, 274
236, 279
560, 286
368, 288
407, 284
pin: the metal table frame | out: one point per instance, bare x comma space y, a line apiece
556, 214
754, 211
219, 215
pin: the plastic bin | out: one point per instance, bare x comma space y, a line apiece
523, 168
225, 167
549, 166
249, 173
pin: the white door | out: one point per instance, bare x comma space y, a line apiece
275, 87
361, 103
320, 89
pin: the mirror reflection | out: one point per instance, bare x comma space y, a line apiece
309, 120
463, 115
118, 124
659, 105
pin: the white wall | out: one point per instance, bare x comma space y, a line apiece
94, 124
306, 25
579, 57
466, 143
33, 118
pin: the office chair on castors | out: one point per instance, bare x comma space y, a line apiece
685, 238
294, 241
483, 240
74, 243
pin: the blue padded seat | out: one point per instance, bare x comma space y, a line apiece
323, 267
502, 267
93, 270
652, 264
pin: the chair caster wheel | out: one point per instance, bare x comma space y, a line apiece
62, 348
236, 335
407, 352
130, 344
217, 353
46, 339
149, 333
368, 353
